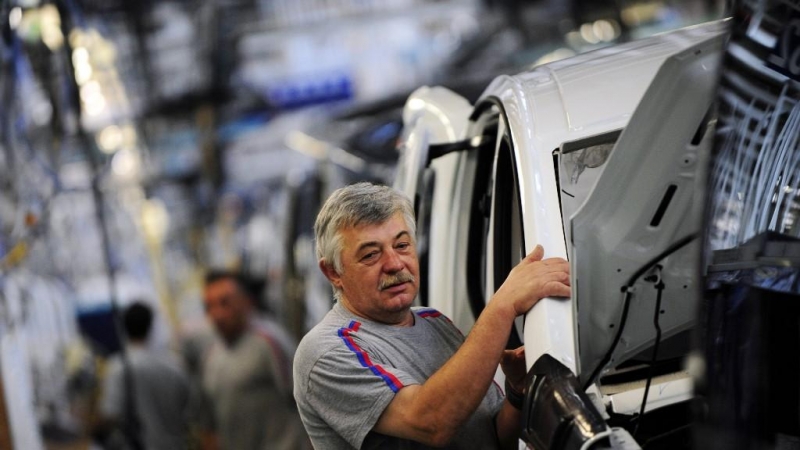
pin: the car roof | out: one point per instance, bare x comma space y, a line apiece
588, 94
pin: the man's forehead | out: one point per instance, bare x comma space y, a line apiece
367, 232
222, 286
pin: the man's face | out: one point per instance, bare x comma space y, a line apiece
227, 307
380, 271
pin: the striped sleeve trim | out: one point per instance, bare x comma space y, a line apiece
432, 314
363, 358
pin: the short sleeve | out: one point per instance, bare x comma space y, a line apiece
349, 390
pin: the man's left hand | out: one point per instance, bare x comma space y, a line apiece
513, 365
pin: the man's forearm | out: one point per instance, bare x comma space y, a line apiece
432, 412
453, 393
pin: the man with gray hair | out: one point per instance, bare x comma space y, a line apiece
379, 373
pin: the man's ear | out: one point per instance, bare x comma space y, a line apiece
330, 273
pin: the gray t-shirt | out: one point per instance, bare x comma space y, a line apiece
161, 393
347, 370
248, 386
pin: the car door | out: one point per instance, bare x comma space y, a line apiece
635, 230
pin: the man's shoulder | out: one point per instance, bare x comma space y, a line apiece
265, 325
323, 336
434, 316
321, 340
272, 337
427, 312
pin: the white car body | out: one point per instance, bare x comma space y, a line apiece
541, 115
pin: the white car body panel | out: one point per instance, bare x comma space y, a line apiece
436, 115
612, 239
662, 392
432, 115
563, 102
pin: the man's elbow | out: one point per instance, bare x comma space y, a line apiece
437, 434
430, 431
438, 438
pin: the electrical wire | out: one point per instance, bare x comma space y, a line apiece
627, 289
659, 290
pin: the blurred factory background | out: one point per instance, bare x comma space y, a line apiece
142, 143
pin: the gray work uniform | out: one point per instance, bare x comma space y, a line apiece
248, 385
347, 370
161, 392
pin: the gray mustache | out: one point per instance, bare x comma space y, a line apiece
393, 280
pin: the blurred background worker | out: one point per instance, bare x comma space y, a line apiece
247, 373
157, 418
